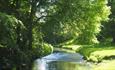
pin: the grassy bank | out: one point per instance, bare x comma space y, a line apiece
102, 56
95, 53
105, 65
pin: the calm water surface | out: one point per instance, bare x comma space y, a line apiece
61, 61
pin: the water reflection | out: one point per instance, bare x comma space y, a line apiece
58, 63
72, 57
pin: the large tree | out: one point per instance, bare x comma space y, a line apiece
27, 21
75, 19
20, 36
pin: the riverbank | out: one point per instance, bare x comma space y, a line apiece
97, 53
105, 65
102, 56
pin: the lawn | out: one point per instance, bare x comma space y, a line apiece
105, 65
95, 53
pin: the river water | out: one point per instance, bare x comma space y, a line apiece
62, 61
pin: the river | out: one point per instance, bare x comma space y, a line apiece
62, 61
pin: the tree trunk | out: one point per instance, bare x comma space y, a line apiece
30, 27
30, 37
113, 40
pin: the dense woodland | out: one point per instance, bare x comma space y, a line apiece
29, 29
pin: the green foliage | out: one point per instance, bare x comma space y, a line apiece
79, 19
8, 27
42, 50
108, 30
25, 25
19, 32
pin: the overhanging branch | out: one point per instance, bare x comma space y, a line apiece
40, 18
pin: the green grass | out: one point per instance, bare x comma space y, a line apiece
102, 53
94, 53
97, 53
72, 47
105, 65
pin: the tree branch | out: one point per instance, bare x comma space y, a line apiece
40, 18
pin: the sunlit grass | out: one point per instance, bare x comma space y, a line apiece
94, 53
99, 55
72, 47
102, 53
105, 65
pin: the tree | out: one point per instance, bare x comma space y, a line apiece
30, 23
108, 30
19, 28
75, 19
